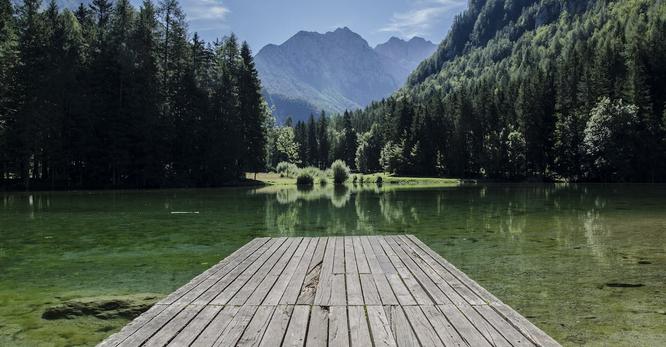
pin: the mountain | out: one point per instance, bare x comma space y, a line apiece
333, 71
401, 57
541, 89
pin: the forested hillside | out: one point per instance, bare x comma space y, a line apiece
111, 96
545, 89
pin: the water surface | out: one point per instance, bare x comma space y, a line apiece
555, 253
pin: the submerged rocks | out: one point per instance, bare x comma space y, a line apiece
624, 285
103, 307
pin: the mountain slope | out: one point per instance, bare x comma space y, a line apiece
401, 57
524, 88
334, 71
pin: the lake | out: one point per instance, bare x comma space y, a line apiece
586, 263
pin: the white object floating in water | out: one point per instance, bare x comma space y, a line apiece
184, 212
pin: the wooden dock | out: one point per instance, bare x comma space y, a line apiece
338, 291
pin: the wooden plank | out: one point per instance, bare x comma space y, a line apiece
174, 326
462, 277
466, 329
318, 327
401, 292
280, 284
338, 291
277, 274
277, 326
434, 292
236, 327
210, 334
133, 326
350, 256
318, 255
338, 331
239, 284
151, 327
354, 292
380, 254
398, 291
402, 330
236, 278
526, 327
422, 327
290, 295
298, 325
450, 285
397, 277
359, 252
415, 289
487, 330
384, 289
196, 326
359, 332
370, 294
262, 280
373, 262
219, 270
339, 258
218, 281
380, 327
323, 289
446, 332
440, 282
500, 326
308, 291
258, 325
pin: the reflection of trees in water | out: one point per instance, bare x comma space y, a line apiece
392, 209
566, 215
334, 209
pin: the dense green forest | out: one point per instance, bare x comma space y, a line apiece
110, 96
528, 89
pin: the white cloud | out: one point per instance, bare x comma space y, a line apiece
206, 16
204, 10
419, 20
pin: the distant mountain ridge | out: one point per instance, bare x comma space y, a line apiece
334, 71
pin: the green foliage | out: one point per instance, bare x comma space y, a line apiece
283, 145
286, 169
305, 177
369, 150
110, 96
612, 138
341, 171
509, 92
391, 158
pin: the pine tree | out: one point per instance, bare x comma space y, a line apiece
301, 137
349, 140
312, 146
253, 113
147, 149
25, 134
8, 59
324, 142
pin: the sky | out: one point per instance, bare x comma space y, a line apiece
261, 22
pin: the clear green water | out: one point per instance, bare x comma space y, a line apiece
546, 250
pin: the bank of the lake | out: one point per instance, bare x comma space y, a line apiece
583, 262
276, 179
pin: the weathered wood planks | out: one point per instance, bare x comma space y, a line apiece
332, 291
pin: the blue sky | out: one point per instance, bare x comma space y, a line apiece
273, 21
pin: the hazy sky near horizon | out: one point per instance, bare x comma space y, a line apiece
261, 22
